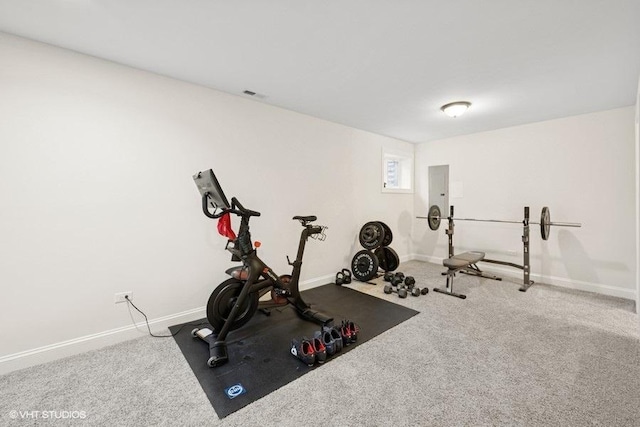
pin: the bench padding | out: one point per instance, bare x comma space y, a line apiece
462, 260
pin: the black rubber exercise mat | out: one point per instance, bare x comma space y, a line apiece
259, 357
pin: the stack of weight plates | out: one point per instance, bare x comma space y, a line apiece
375, 237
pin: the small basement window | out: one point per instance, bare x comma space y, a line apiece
397, 171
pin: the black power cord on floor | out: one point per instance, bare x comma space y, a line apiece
126, 297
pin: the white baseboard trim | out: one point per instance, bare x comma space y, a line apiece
405, 258
318, 281
549, 280
426, 258
48, 353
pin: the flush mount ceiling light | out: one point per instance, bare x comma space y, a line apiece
455, 109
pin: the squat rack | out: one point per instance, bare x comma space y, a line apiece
545, 224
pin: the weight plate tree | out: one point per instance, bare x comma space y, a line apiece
388, 259
545, 223
364, 265
372, 235
375, 237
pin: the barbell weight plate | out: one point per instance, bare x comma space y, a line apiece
434, 217
388, 235
388, 259
545, 223
364, 265
371, 235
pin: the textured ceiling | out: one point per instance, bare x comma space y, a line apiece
382, 66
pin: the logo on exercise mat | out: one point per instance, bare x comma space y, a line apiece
235, 391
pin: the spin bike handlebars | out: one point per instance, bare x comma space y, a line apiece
242, 211
235, 203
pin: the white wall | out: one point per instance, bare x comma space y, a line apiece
581, 167
97, 197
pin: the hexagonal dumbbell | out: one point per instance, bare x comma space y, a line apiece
410, 282
401, 291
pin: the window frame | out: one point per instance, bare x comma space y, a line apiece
405, 160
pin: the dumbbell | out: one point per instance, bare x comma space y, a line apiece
388, 276
397, 279
410, 282
416, 292
401, 291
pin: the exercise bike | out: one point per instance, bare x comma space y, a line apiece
234, 302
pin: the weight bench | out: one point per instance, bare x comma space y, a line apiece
463, 263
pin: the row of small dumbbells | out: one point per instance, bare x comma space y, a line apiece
402, 285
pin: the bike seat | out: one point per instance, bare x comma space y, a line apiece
305, 219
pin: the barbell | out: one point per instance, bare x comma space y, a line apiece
434, 217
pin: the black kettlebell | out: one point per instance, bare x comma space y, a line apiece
388, 276
339, 278
347, 276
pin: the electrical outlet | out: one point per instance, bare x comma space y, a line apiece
120, 296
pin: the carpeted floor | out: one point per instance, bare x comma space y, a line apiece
550, 357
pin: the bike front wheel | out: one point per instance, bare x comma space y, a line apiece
222, 300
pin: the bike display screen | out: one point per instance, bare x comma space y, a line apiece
209, 186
